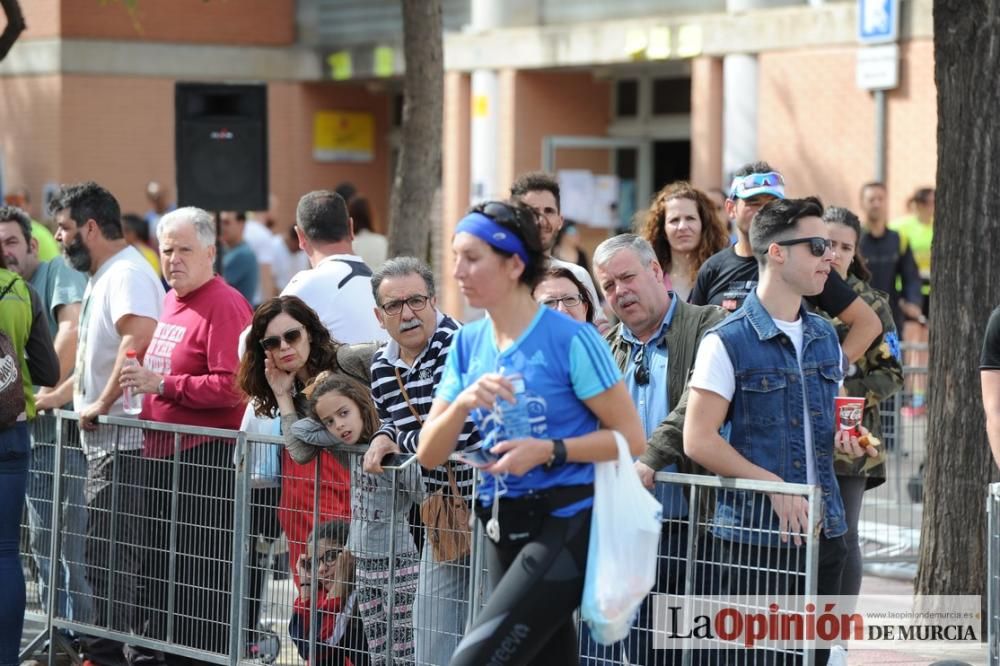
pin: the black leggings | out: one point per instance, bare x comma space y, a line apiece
536, 587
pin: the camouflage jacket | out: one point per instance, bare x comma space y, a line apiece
877, 375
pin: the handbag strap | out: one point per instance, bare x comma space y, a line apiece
451, 479
406, 397
416, 415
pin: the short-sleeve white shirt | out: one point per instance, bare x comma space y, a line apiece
347, 311
713, 371
124, 285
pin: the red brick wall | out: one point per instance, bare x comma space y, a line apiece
912, 126
119, 131
256, 22
546, 103
42, 18
30, 132
818, 128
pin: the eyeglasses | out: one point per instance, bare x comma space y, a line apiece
416, 303
817, 246
567, 301
641, 370
291, 336
328, 557
754, 180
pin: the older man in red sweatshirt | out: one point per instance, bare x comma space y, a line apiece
188, 379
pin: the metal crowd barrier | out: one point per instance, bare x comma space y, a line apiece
702, 564
993, 573
164, 542
889, 528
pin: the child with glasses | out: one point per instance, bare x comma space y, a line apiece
342, 407
339, 636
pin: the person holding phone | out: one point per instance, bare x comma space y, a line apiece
536, 498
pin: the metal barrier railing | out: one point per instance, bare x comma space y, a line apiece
993, 572
182, 528
889, 527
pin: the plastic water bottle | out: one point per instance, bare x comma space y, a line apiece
514, 416
131, 402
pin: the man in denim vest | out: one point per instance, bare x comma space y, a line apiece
771, 371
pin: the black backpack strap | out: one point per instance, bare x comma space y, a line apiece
358, 269
6, 290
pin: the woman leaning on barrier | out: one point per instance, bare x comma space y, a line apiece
574, 395
26, 357
287, 347
875, 376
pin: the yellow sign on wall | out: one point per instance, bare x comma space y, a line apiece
343, 136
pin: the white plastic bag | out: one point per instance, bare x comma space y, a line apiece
624, 541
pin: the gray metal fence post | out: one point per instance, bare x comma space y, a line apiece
175, 500
240, 545
55, 541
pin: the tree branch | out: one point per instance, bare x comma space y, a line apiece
15, 26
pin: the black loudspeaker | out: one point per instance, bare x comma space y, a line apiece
221, 146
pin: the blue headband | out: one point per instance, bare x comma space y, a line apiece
484, 228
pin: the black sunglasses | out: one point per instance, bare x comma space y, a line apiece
291, 336
328, 557
499, 212
817, 246
641, 370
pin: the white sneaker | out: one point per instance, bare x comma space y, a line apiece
838, 656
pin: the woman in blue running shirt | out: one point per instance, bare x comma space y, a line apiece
535, 499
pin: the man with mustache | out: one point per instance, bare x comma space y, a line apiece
404, 375
655, 346
120, 308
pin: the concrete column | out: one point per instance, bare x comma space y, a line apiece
740, 98
454, 182
739, 118
485, 123
706, 122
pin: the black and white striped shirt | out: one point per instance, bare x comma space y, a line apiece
398, 422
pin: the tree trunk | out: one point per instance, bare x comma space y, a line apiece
965, 287
418, 170
15, 26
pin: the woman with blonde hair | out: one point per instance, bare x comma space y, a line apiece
684, 230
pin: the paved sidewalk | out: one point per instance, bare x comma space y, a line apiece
926, 654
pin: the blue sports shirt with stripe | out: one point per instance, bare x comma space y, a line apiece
563, 363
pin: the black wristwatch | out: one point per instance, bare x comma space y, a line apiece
558, 454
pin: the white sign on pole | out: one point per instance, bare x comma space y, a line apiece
878, 21
605, 203
576, 194
878, 67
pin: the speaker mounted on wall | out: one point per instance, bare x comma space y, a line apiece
221, 146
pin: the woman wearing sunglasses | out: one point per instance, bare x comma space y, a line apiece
286, 348
560, 290
535, 498
684, 230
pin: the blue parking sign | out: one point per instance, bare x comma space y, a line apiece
878, 21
